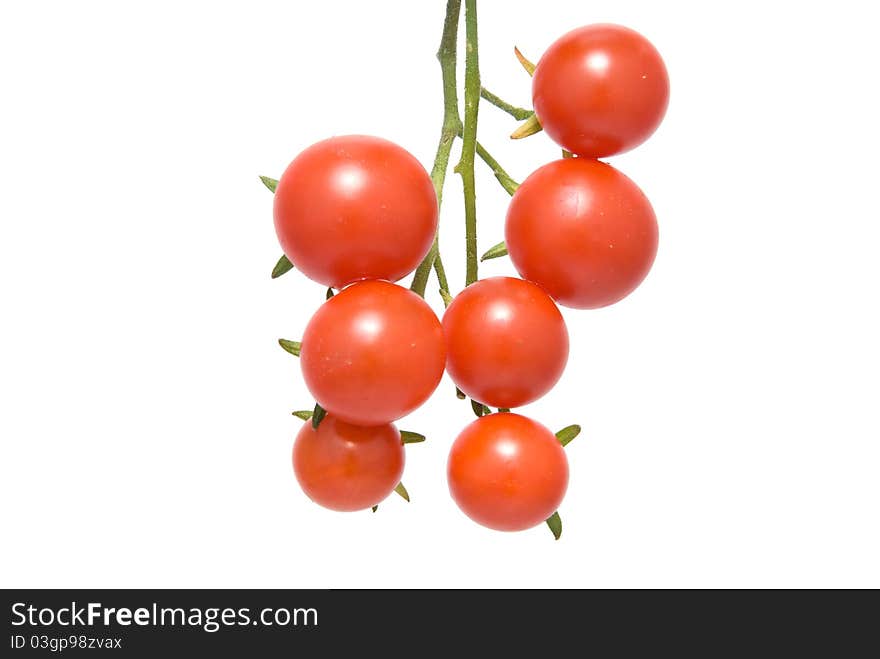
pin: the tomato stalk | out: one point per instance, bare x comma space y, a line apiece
465, 167
503, 177
506, 180
520, 114
452, 128
441, 279
447, 56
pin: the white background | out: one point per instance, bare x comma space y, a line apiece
729, 406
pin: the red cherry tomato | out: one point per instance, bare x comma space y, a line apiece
600, 90
582, 231
506, 342
345, 467
355, 207
507, 472
373, 353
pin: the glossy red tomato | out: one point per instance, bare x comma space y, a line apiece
355, 207
506, 342
507, 472
345, 467
582, 231
373, 353
600, 90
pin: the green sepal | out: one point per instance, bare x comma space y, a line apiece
409, 437
555, 524
568, 433
526, 64
401, 490
529, 127
283, 265
479, 409
318, 416
494, 252
293, 347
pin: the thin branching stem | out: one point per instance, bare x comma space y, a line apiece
446, 54
520, 114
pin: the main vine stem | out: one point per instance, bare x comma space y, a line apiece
452, 126
465, 166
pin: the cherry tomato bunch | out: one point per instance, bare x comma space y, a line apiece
358, 213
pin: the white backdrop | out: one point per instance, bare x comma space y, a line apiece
729, 406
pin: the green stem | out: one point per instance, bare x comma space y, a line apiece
420, 279
503, 177
506, 180
441, 273
469, 138
516, 112
446, 54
